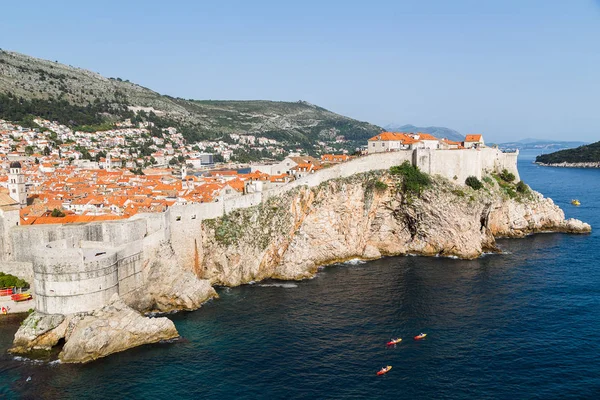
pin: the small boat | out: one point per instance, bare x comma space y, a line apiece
384, 370
575, 202
420, 336
394, 341
21, 297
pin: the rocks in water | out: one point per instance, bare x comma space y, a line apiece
573, 225
39, 332
114, 328
89, 336
513, 218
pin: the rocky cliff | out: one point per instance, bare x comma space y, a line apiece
368, 216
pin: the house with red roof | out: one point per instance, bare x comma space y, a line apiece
473, 141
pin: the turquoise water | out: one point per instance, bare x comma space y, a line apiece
525, 324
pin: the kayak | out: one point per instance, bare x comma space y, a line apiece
394, 341
20, 297
575, 202
421, 336
384, 371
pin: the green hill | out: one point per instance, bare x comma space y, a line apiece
583, 154
77, 97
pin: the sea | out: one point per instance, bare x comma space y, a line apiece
524, 324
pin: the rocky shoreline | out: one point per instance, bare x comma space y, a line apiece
572, 165
366, 216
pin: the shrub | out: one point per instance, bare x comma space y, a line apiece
522, 187
414, 181
380, 186
57, 213
507, 176
7, 280
474, 183
458, 192
488, 180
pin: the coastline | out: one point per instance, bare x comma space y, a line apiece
571, 165
291, 236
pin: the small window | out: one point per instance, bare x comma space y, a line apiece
194, 216
178, 218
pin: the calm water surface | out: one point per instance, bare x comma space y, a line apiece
521, 325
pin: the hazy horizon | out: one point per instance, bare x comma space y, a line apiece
509, 70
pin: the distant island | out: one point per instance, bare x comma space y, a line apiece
581, 157
540, 144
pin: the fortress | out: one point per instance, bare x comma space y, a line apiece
78, 267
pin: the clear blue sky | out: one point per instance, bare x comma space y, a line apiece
508, 68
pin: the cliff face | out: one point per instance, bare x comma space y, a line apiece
367, 216
289, 236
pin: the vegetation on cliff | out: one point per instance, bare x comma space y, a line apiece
584, 154
413, 180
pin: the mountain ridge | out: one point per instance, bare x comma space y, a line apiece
33, 80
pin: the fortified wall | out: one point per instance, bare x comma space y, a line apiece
70, 279
78, 267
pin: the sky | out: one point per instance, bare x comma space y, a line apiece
510, 69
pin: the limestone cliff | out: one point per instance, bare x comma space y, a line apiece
169, 286
368, 215
89, 336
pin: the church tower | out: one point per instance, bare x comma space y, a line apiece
183, 176
16, 184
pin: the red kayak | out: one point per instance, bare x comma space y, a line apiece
394, 341
384, 370
421, 336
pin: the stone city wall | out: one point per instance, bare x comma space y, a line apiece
70, 279
78, 267
458, 165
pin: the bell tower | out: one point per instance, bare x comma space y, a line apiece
16, 184
183, 176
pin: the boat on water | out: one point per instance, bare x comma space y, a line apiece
384, 370
394, 341
575, 202
420, 336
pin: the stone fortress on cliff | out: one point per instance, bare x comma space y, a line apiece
79, 267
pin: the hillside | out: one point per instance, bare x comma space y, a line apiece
76, 97
437, 131
582, 154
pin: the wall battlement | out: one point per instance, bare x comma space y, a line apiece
78, 267
74, 277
